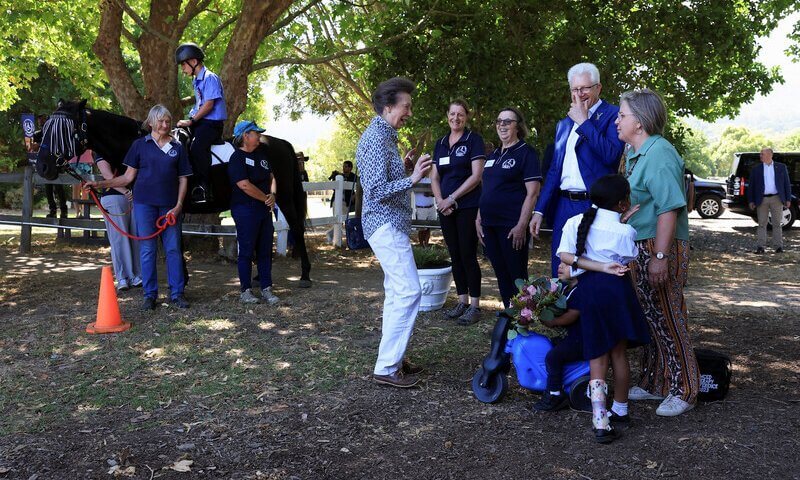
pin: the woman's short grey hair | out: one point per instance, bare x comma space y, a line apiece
386, 93
649, 109
156, 113
522, 126
583, 68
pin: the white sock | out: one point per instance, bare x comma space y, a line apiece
620, 409
556, 393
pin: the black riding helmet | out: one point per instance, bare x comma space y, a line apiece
188, 51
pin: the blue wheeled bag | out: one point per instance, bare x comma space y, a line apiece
490, 382
355, 234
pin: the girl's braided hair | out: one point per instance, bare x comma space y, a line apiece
606, 193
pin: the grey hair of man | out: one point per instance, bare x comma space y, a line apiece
581, 69
386, 93
649, 109
158, 112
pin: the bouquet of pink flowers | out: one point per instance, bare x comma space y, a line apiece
538, 299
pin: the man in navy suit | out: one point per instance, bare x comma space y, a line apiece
769, 190
586, 148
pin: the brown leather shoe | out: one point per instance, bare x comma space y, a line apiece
409, 368
397, 379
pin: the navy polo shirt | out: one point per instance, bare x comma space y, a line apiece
157, 171
454, 164
505, 174
252, 166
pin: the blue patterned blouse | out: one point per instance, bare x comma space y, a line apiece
383, 179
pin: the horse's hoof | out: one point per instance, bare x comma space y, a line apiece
305, 283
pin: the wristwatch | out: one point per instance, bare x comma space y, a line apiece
660, 255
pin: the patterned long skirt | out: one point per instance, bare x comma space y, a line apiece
668, 362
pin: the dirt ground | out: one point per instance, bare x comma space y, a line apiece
228, 391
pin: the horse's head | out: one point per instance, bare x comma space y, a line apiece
63, 137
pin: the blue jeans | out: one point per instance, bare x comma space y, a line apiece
254, 232
146, 216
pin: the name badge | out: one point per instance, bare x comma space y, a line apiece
444, 161
250, 162
488, 164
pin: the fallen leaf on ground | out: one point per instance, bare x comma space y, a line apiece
182, 466
117, 471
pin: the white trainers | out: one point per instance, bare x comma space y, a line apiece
248, 297
136, 282
673, 406
639, 393
122, 285
268, 296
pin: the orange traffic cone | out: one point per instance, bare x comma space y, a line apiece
108, 318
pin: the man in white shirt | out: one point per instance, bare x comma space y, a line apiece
768, 192
586, 148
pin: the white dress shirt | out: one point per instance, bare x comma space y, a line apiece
609, 240
769, 179
571, 178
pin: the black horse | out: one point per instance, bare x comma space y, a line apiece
74, 128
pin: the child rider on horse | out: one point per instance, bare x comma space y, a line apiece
206, 117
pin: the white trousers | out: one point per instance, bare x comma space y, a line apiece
403, 295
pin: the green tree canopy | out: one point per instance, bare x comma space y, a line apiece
702, 56
732, 140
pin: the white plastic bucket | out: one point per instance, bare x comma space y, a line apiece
435, 285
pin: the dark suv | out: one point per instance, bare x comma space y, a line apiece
743, 163
708, 197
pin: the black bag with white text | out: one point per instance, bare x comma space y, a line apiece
715, 374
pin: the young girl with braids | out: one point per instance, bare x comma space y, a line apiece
598, 245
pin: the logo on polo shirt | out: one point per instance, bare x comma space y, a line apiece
264, 165
509, 163
172, 152
461, 151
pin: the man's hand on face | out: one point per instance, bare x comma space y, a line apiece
579, 109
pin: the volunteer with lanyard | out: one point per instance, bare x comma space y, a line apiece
253, 191
161, 169
456, 183
511, 181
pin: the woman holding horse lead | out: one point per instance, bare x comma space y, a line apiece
124, 251
253, 191
161, 167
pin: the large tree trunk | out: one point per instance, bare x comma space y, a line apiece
254, 22
107, 46
159, 72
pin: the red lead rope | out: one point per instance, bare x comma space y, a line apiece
162, 222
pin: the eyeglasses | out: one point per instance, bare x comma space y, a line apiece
503, 122
584, 90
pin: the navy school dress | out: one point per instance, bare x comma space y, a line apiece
610, 313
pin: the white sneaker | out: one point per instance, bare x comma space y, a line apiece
639, 393
122, 285
136, 282
673, 406
248, 297
268, 296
